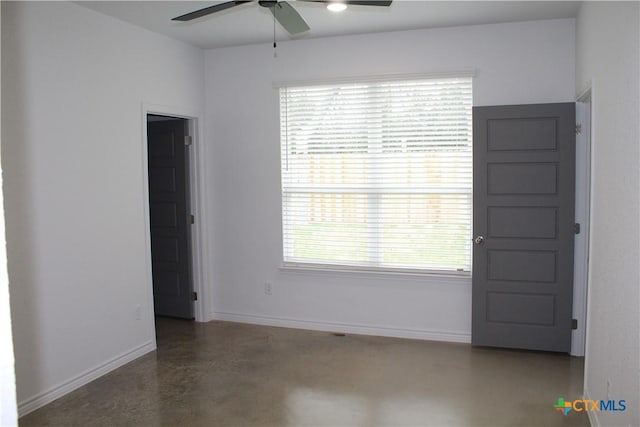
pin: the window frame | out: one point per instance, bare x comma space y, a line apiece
290, 263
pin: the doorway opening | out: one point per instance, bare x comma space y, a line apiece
170, 215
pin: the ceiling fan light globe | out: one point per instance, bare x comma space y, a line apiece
336, 6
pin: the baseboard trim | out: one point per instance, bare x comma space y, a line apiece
41, 399
429, 335
593, 415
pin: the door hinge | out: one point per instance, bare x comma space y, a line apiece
188, 140
576, 228
578, 128
574, 324
192, 219
194, 296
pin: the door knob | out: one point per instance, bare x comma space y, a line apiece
478, 240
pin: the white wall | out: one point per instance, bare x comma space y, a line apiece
529, 62
607, 60
73, 86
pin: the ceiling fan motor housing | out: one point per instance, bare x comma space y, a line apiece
268, 3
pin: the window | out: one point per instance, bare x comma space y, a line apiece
378, 175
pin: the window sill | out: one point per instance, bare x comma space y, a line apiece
459, 277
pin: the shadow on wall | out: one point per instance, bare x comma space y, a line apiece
19, 188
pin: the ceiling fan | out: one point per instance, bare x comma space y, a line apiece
282, 11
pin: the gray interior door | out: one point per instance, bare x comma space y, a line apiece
168, 209
523, 207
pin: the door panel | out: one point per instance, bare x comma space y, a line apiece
520, 308
522, 222
521, 266
168, 209
521, 178
524, 185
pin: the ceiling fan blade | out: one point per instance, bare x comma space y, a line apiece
209, 10
289, 18
384, 3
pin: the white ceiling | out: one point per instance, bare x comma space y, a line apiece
249, 23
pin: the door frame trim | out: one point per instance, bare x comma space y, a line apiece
584, 165
197, 203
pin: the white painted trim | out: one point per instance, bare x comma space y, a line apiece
379, 274
593, 418
432, 335
41, 399
459, 277
199, 252
582, 215
197, 196
593, 415
148, 312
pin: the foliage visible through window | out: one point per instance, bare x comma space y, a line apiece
378, 174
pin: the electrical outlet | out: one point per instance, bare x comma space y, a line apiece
138, 312
267, 288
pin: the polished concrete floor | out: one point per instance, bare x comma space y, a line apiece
228, 374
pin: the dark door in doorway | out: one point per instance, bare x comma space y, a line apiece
524, 187
168, 209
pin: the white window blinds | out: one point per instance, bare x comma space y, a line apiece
378, 174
